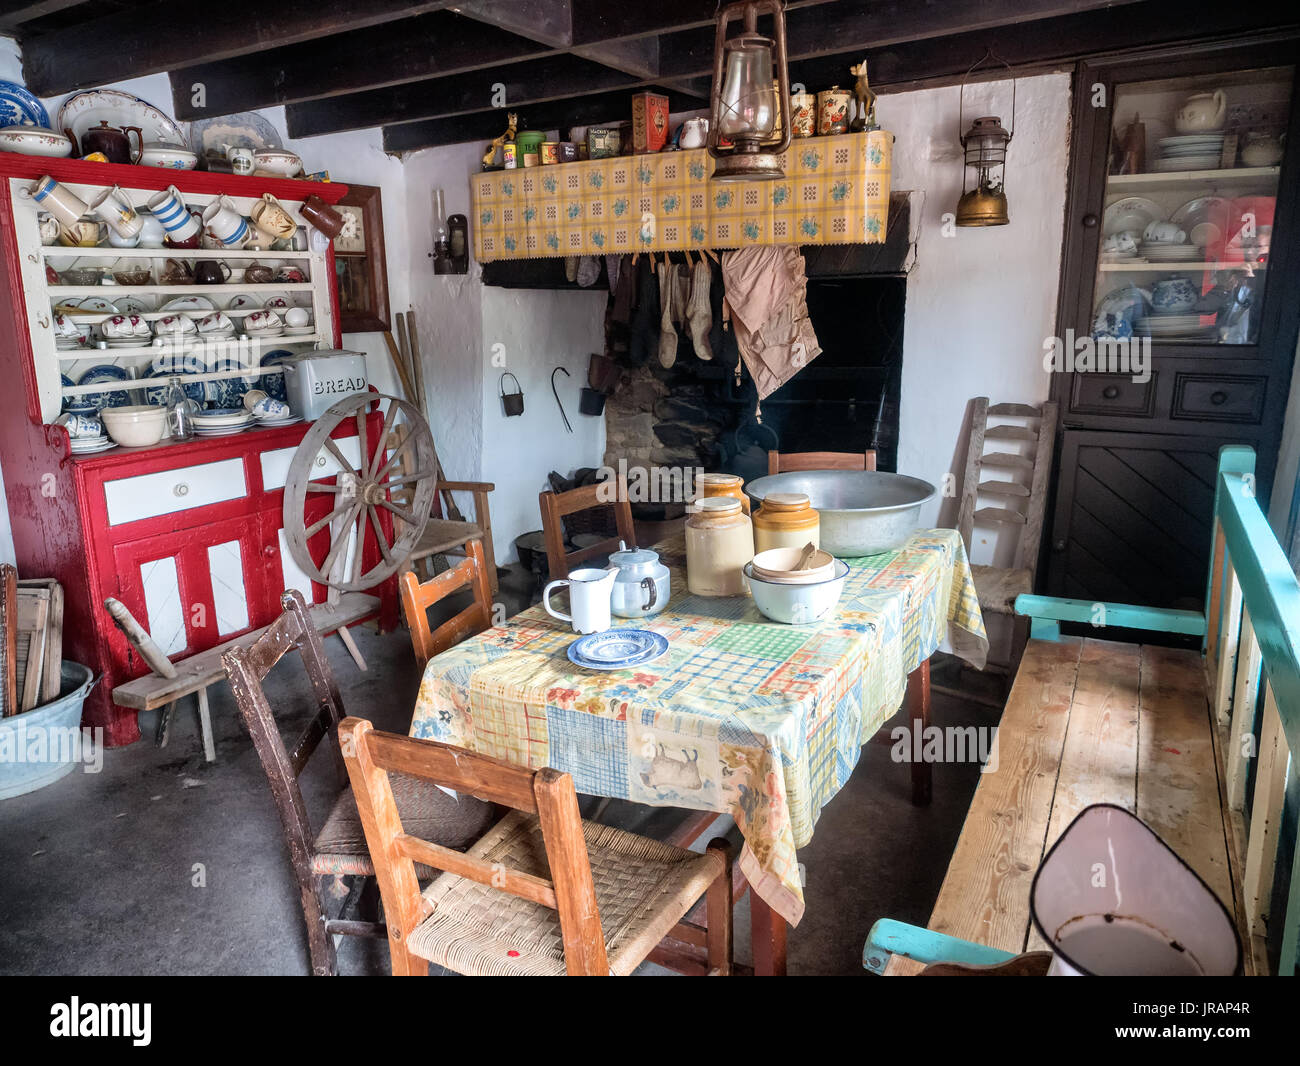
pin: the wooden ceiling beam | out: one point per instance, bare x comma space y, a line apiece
548, 22
414, 50
897, 66
839, 28
483, 125
509, 88
12, 16
171, 34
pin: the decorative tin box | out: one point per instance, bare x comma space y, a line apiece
649, 122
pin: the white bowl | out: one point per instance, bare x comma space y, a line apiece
778, 564
797, 604
277, 161
135, 427
171, 156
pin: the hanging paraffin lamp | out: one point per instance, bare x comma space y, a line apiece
985, 145
749, 128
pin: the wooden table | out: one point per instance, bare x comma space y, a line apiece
742, 716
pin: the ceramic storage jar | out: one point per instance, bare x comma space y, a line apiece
719, 542
711, 485
785, 520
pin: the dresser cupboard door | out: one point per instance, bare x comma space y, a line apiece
199, 587
1133, 517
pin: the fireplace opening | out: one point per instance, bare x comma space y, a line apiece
694, 416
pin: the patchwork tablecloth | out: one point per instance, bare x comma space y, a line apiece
744, 716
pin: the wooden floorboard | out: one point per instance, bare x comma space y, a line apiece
985, 895
1099, 759
1178, 787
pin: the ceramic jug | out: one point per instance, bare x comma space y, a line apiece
589, 599
1201, 112
642, 585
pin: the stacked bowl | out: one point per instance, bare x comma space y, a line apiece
795, 596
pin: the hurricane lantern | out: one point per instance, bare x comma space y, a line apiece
985, 145
750, 128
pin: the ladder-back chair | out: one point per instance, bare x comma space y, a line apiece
555, 505
543, 893
417, 598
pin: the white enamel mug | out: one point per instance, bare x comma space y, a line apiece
169, 208
589, 598
114, 208
58, 200
223, 221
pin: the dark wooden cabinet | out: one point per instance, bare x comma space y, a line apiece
1134, 484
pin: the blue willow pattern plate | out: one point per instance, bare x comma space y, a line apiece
617, 649
97, 375
18, 105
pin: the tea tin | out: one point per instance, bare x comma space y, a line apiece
550, 153
803, 114
833, 110
603, 142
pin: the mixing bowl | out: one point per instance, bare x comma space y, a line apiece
135, 427
797, 604
863, 512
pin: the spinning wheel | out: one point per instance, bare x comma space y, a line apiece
360, 494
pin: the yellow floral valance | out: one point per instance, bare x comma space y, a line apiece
836, 191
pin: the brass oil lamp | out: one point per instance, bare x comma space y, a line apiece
985, 145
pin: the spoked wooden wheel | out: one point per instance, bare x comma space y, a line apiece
361, 498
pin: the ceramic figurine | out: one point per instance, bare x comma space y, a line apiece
490, 156
865, 100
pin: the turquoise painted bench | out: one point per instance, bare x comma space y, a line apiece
1173, 735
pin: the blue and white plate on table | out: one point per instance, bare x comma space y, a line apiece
98, 375
18, 105
617, 649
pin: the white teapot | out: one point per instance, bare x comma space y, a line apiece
1202, 112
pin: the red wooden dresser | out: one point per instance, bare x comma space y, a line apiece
187, 535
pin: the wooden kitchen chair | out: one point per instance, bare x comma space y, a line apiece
778, 463
454, 531
555, 505
543, 893
339, 848
1021, 498
417, 598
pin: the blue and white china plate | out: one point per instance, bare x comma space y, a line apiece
97, 375
273, 384
198, 391
17, 106
617, 649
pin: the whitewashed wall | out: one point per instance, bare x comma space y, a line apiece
980, 301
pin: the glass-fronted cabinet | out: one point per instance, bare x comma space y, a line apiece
1178, 310
1190, 200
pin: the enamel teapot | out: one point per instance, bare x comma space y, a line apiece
643, 584
1202, 112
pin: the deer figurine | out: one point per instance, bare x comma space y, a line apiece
865, 110
490, 156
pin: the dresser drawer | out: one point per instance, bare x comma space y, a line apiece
275, 464
130, 499
1112, 394
1217, 398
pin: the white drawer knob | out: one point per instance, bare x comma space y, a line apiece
180, 489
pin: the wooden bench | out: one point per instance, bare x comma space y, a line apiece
195, 674
1165, 733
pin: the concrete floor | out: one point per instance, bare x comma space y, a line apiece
164, 864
